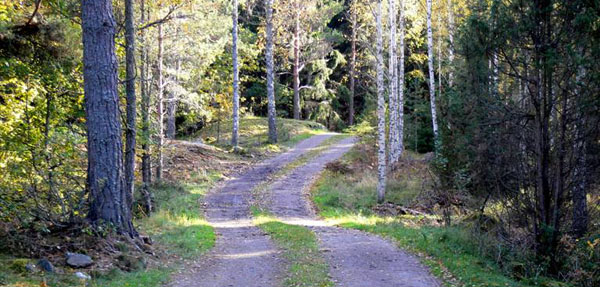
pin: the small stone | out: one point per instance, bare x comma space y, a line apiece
83, 276
46, 265
78, 260
30, 267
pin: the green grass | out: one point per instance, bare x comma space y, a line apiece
177, 228
253, 133
347, 199
301, 249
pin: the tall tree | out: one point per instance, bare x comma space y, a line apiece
145, 106
270, 73
236, 88
131, 130
381, 156
392, 84
296, 72
450, 43
431, 73
105, 182
354, 27
401, 81
172, 99
160, 103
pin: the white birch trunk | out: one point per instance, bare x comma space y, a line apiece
381, 157
270, 76
236, 93
431, 74
393, 82
401, 83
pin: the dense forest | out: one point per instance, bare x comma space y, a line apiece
477, 122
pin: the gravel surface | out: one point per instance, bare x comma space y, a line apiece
243, 255
355, 258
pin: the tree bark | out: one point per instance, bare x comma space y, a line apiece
579, 185
270, 76
392, 84
450, 44
105, 181
130, 75
352, 67
236, 88
159, 104
145, 106
401, 82
172, 103
431, 75
296, 73
381, 156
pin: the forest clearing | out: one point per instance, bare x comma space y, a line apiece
185, 143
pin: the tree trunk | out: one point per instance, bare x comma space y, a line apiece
130, 133
297, 62
431, 75
352, 67
381, 157
450, 44
145, 106
401, 83
270, 76
579, 185
172, 104
393, 82
236, 88
159, 104
105, 182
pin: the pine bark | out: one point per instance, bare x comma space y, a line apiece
130, 75
145, 106
431, 74
381, 156
105, 180
236, 75
296, 72
270, 74
352, 67
160, 104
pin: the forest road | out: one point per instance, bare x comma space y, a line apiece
243, 254
355, 258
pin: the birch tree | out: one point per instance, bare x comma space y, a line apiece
400, 81
296, 48
236, 93
270, 75
392, 84
431, 73
105, 181
381, 157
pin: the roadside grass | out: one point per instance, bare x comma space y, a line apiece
177, 228
347, 199
253, 134
307, 266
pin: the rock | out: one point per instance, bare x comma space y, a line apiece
78, 260
130, 263
83, 276
46, 265
30, 267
